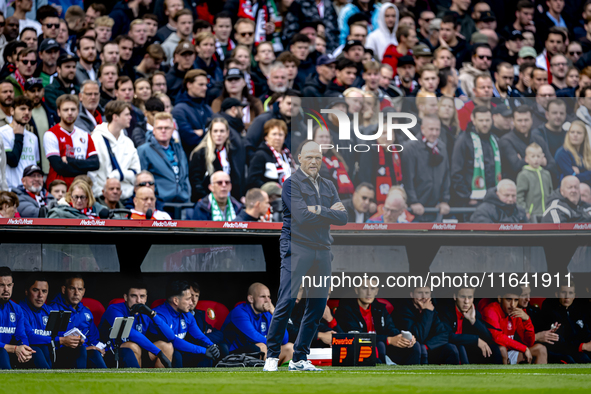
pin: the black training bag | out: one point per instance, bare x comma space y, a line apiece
242, 361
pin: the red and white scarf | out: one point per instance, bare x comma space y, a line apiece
251, 11
384, 178
283, 163
345, 186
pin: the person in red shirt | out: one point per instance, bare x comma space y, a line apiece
513, 331
407, 38
69, 149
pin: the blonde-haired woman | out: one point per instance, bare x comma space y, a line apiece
574, 157
215, 153
79, 203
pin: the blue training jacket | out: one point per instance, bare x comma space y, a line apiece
243, 327
12, 325
35, 323
142, 324
181, 324
81, 318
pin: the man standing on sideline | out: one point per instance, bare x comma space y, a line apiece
309, 252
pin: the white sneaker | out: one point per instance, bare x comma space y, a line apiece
303, 365
271, 364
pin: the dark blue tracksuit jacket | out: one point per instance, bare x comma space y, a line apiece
81, 318
35, 322
12, 325
181, 324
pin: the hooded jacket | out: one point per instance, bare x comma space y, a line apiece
493, 210
381, 38
534, 187
81, 318
191, 113
56, 89
562, 210
468, 74
28, 207
83, 121
153, 158
127, 159
351, 9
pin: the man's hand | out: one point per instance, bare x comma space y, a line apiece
209, 330
530, 27
519, 313
65, 159
269, 307
326, 337
528, 356
486, 352
213, 352
338, 207
470, 315
23, 353
547, 337
327, 315
428, 304
71, 341
587, 347
269, 28
399, 341
18, 128
417, 209
544, 161
142, 309
101, 351
443, 208
576, 170
198, 132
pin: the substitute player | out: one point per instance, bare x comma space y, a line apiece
305, 250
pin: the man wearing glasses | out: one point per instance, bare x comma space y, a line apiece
49, 19
358, 206
480, 65
144, 201
89, 112
219, 205
244, 32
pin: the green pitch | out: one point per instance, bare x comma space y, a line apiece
466, 379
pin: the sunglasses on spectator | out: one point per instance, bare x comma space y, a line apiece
150, 183
52, 25
27, 62
81, 198
482, 57
573, 53
223, 183
246, 34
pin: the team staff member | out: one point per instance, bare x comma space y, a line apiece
175, 313
130, 351
70, 299
14, 343
307, 245
36, 313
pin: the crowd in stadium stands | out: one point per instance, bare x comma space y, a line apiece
174, 332
151, 109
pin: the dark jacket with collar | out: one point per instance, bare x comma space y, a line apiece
309, 229
313, 87
56, 89
424, 324
191, 113
513, 144
470, 332
349, 317
245, 217
348, 203
214, 71
28, 207
203, 208
493, 210
574, 328
174, 82
561, 210
257, 170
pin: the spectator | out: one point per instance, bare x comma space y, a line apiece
21, 146
335, 168
184, 21
370, 8
316, 84
553, 45
394, 210
85, 351
158, 81
117, 155
255, 208
499, 205
151, 61
509, 51
244, 32
42, 117
8, 204
65, 83
558, 70
111, 195
79, 203
534, 184
175, 313
481, 62
184, 58
190, 111
418, 315
504, 77
272, 161
48, 53
6, 101
103, 26
585, 193
33, 198
235, 87
574, 157
86, 68
451, 41
171, 7
513, 332
166, 160
345, 75
89, 115
246, 327
468, 331
25, 67
358, 207
566, 205
386, 33
222, 28
218, 151
425, 170
130, 352
108, 74
58, 189
264, 58
422, 55
14, 337
368, 314
524, 16
428, 80
552, 132
218, 205
476, 162
145, 201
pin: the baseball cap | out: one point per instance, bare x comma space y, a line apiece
487, 16
271, 188
231, 102
502, 109
435, 24
422, 50
351, 43
48, 44
30, 170
406, 60
337, 100
184, 47
66, 58
32, 82
479, 38
514, 35
234, 73
527, 52
325, 59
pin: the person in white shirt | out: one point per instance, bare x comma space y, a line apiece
117, 154
21, 146
21, 8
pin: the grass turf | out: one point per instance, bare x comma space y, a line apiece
381, 379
